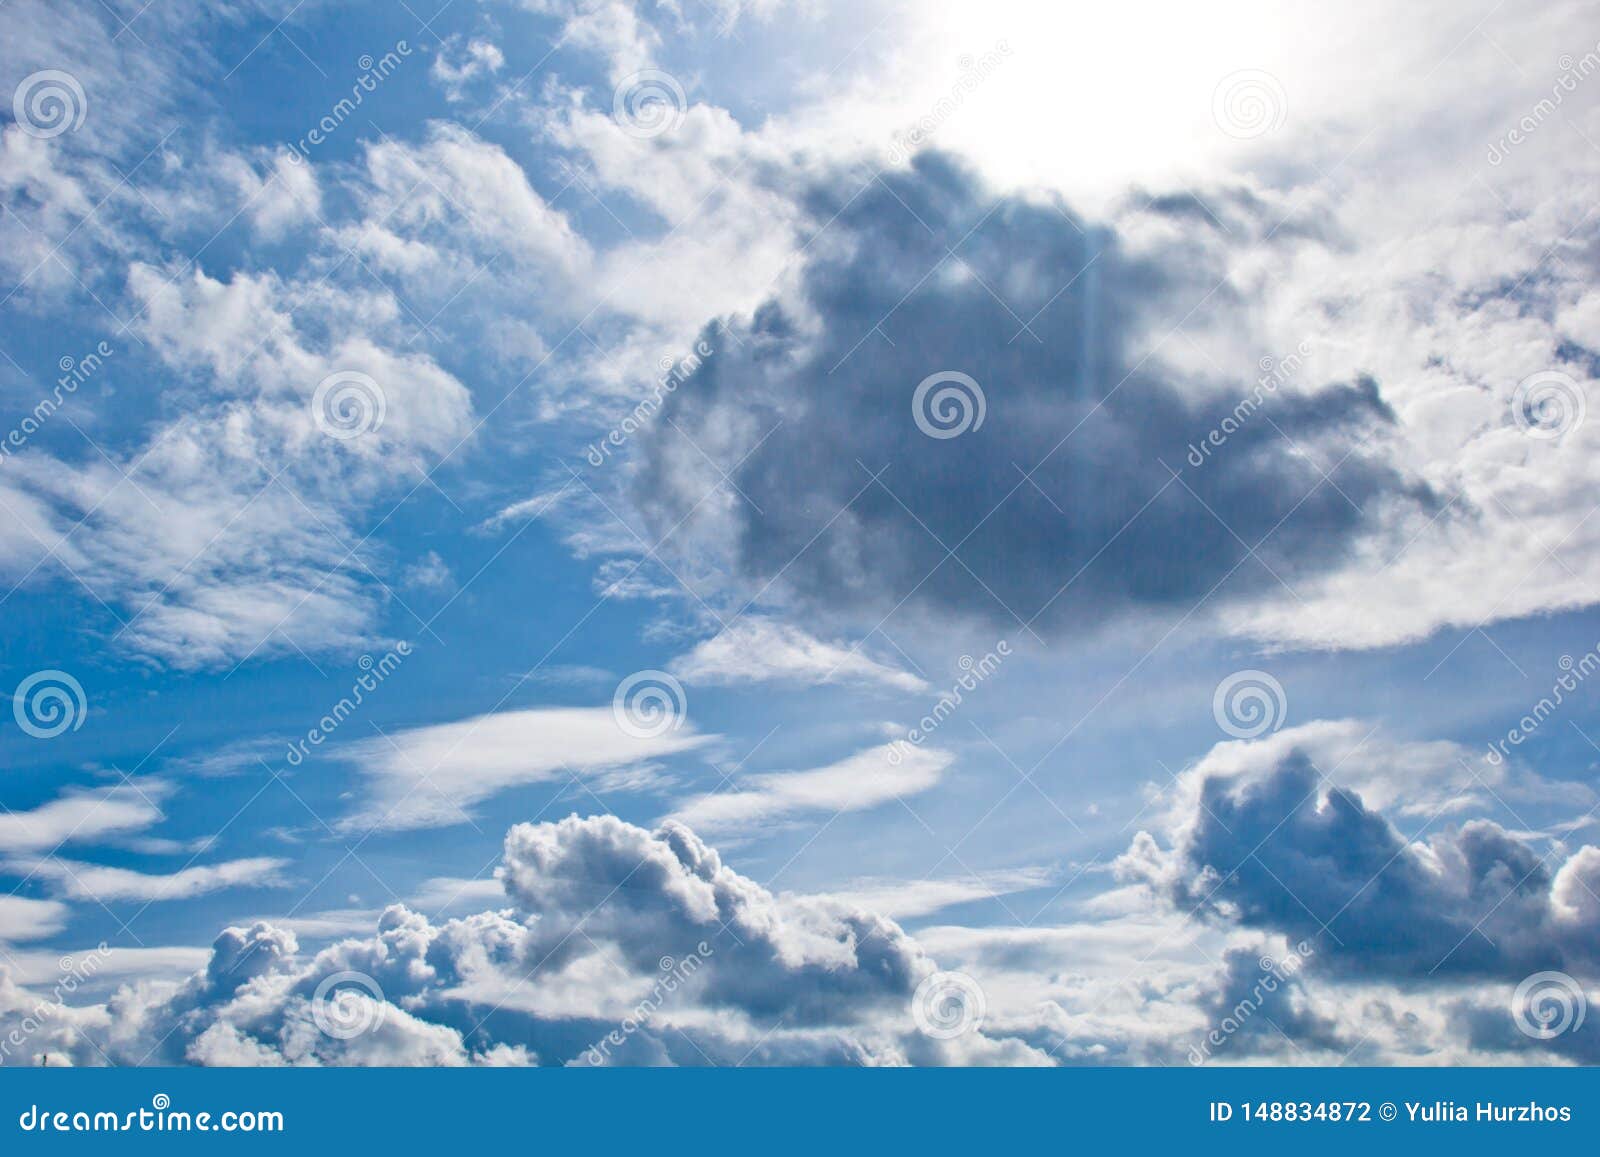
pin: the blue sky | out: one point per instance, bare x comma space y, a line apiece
336, 372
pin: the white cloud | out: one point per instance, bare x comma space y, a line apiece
104, 967
596, 912
82, 817
279, 198
774, 980
910, 899
429, 573
609, 28
861, 781
432, 205
458, 64
756, 650
335, 924
452, 893
81, 881
229, 533
22, 918
433, 776
1417, 779
81, 211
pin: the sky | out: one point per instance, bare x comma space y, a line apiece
748, 532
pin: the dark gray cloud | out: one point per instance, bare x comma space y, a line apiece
1485, 1023
1258, 1007
1286, 851
922, 272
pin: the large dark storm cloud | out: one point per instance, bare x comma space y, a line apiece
1062, 503
1282, 850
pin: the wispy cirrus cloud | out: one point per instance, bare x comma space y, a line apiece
23, 918
910, 899
758, 650
858, 782
84, 816
434, 776
82, 881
